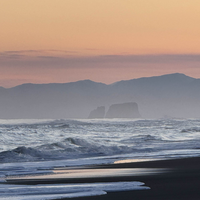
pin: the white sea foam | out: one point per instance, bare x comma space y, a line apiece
38, 146
52, 191
2, 180
43, 140
54, 196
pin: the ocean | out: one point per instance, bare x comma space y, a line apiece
31, 147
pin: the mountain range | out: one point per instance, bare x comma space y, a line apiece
171, 95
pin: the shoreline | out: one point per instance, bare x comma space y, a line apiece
179, 179
180, 182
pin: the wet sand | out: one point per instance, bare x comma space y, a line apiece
178, 179
181, 182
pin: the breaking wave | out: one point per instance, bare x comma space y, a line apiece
67, 149
44, 140
191, 130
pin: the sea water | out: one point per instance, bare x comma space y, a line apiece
39, 146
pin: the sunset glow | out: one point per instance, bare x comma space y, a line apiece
34, 32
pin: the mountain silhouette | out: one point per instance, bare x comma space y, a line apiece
174, 95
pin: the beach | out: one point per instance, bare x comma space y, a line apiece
181, 181
109, 159
172, 179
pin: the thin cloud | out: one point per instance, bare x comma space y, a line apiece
63, 59
73, 56
104, 68
50, 53
161, 58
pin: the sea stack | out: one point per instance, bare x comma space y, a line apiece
124, 110
97, 113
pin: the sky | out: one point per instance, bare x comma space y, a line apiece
45, 41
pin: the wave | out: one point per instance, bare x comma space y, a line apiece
141, 139
21, 154
67, 149
190, 130
34, 123
76, 147
42, 140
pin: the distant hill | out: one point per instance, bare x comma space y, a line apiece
174, 95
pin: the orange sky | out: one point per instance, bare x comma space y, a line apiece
35, 32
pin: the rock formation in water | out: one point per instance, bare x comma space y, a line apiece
99, 112
124, 110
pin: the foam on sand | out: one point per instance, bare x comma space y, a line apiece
58, 191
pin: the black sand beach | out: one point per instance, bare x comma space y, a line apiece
179, 180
